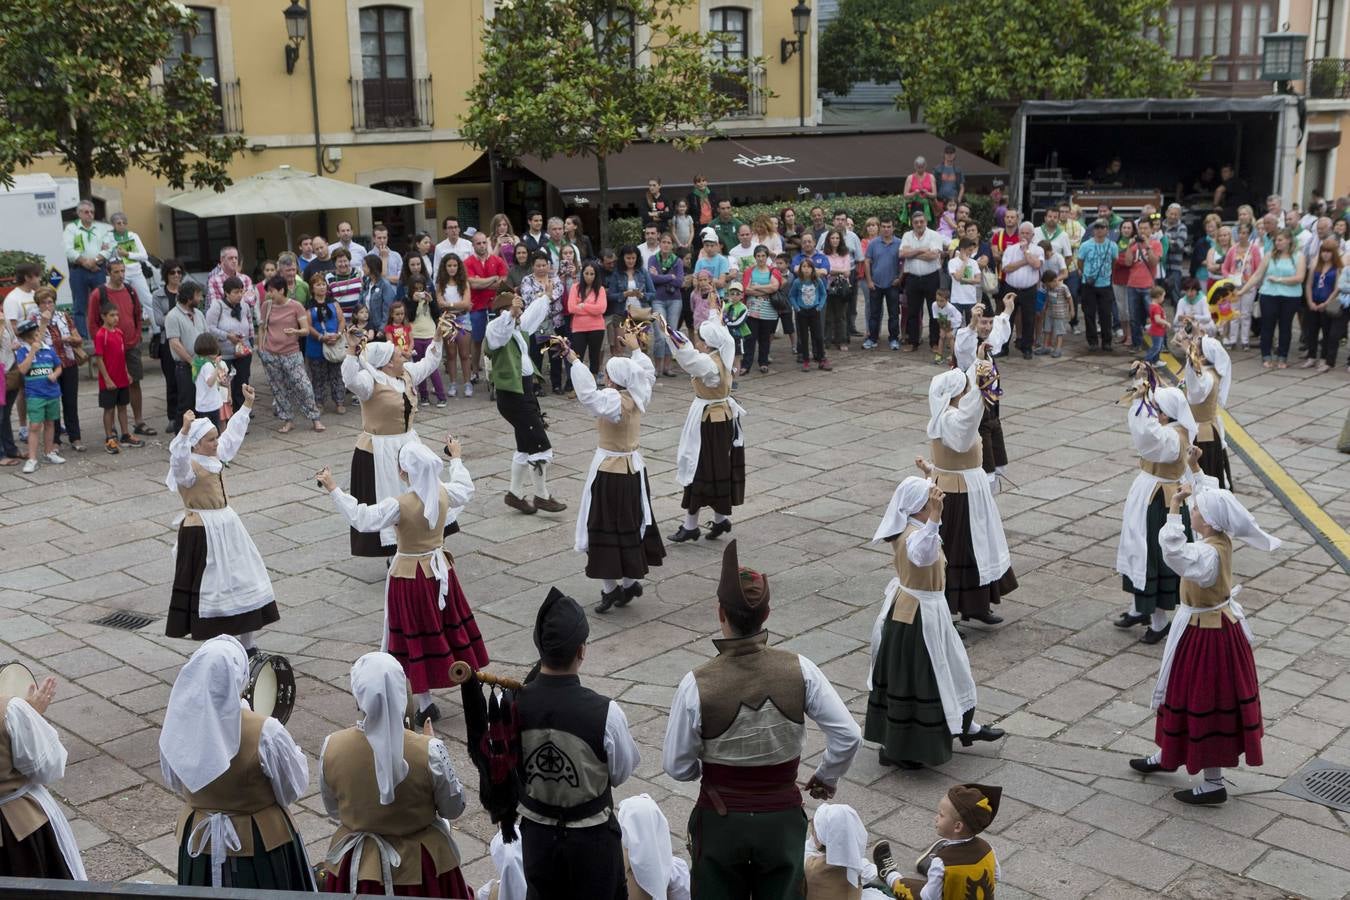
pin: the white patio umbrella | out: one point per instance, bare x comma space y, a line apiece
283, 191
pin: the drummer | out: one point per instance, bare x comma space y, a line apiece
385, 382
35, 839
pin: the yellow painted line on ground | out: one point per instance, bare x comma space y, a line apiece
1332, 537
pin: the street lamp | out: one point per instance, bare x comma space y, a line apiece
801, 23
297, 27
1282, 57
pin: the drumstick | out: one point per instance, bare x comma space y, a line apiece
461, 672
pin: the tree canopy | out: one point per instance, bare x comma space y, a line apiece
968, 64
76, 81
590, 77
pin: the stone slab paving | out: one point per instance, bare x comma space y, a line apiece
825, 451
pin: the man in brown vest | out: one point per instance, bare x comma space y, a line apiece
738, 722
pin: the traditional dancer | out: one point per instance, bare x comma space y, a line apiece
1208, 376
836, 854
427, 620
510, 881
922, 692
35, 838
1208, 695
1162, 431
710, 462
738, 722
979, 566
390, 790
220, 585
652, 871
960, 863
994, 331
507, 344
574, 748
615, 528
237, 772
385, 381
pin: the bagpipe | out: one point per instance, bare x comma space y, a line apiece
493, 732
1148, 378
451, 325
987, 382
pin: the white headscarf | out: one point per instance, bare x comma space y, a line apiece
625, 373
1226, 513
719, 339
1173, 404
646, 836
381, 692
841, 832
196, 431
510, 866
941, 391
374, 358
1214, 351
424, 477
910, 496
202, 723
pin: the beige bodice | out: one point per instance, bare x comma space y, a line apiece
207, 492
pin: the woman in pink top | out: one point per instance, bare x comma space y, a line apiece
920, 183
586, 304
1242, 260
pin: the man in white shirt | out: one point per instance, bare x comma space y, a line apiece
743, 254
20, 303
453, 243
358, 252
1022, 273
921, 254
651, 244
391, 260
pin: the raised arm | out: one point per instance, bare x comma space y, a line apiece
445, 784
603, 402
283, 763
1153, 441
460, 486
360, 382
365, 517
534, 314
37, 750
924, 544
233, 435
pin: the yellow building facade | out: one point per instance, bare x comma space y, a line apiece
390, 79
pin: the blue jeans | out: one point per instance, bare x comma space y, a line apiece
1136, 301
875, 298
670, 309
82, 283
1155, 348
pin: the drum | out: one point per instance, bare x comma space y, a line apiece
15, 680
271, 686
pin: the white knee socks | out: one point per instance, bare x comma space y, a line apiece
247, 640
629, 582
1159, 620
423, 701
608, 585
719, 518
973, 727
541, 480
518, 478
1213, 781
690, 521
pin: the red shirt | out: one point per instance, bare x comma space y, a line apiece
1000, 241
128, 320
474, 267
400, 336
111, 347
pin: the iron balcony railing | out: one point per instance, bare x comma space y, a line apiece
1329, 79
750, 103
391, 103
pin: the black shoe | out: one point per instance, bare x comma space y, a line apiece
422, 715
884, 860
684, 534
609, 599
1208, 798
885, 760
1145, 767
717, 529
1154, 637
633, 590
987, 618
1129, 619
986, 733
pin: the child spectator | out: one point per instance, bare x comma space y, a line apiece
734, 318
398, 331
41, 369
210, 376
964, 269
1191, 305
783, 266
114, 382
960, 863
703, 298
232, 323
807, 296
1058, 312
943, 321
1157, 324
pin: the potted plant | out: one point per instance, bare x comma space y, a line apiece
9, 261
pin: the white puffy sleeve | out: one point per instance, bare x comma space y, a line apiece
827, 710
698, 365
36, 747
602, 402
233, 437
1198, 384
1194, 561
924, 545
445, 783
357, 379
679, 755
330, 800
679, 880
460, 487
534, 314
620, 747
965, 345
1000, 332
959, 427
180, 460
1153, 441
365, 517
422, 369
283, 763
937, 874
499, 330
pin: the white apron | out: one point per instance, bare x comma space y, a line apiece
582, 536
1180, 620
1132, 554
389, 857
235, 581
986, 527
691, 437
65, 838
384, 449
951, 665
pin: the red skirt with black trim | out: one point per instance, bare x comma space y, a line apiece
1211, 714
446, 884
427, 640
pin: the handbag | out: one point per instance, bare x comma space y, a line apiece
989, 281
1333, 309
334, 352
13, 379
156, 347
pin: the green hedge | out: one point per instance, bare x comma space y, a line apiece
628, 230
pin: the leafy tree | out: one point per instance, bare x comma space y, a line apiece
969, 63
75, 81
590, 77
857, 45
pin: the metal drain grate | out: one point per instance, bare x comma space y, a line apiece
1321, 782
127, 621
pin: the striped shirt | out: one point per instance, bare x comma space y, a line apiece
345, 290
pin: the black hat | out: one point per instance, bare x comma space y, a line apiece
740, 588
561, 626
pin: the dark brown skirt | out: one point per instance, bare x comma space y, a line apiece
719, 480
1214, 462
617, 546
991, 438
965, 594
36, 856
183, 621
363, 489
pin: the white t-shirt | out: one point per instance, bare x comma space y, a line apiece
19, 305
461, 248
950, 313
645, 253
210, 396
964, 294
931, 240
740, 254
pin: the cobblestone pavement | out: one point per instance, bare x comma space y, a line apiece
825, 451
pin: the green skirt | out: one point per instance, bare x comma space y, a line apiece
1162, 586
904, 708
283, 869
